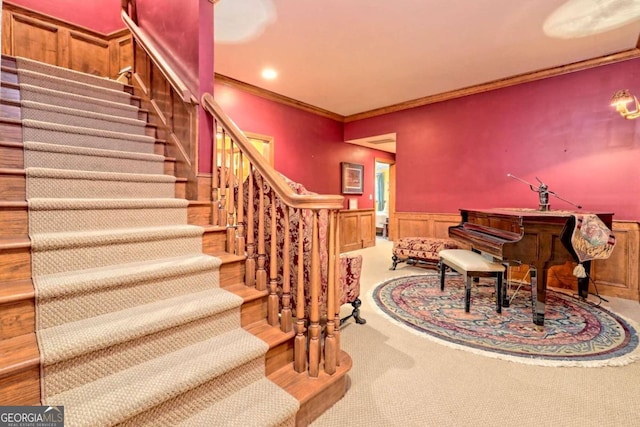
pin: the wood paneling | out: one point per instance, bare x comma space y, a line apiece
89, 54
357, 229
616, 276
43, 38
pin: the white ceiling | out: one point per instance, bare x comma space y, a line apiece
353, 56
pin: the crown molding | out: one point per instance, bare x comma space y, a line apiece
445, 96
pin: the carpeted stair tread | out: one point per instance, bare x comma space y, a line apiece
55, 97
258, 401
73, 339
115, 398
56, 156
76, 295
60, 252
71, 86
74, 239
85, 281
83, 118
63, 183
66, 73
53, 133
57, 215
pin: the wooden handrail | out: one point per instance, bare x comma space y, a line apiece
274, 179
144, 41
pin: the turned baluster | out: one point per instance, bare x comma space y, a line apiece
272, 301
222, 208
330, 340
261, 273
314, 310
337, 286
300, 342
231, 230
215, 203
250, 264
285, 315
240, 228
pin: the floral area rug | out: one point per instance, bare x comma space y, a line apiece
575, 332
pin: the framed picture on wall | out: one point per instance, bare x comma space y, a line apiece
352, 178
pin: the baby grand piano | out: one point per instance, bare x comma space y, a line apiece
526, 236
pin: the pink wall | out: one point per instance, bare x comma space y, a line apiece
308, 147
457, 154
102, 16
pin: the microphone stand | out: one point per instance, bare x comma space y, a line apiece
543, 193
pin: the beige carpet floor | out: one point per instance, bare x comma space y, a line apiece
401, 379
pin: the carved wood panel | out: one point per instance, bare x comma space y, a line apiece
88, 54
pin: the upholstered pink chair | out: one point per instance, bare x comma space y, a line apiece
350, 265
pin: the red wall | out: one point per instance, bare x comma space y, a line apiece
457, 154
98, 15
308, 147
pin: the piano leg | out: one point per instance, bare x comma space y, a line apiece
538, 295
583, 282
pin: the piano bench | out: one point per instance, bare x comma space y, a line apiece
472, 264
420, 249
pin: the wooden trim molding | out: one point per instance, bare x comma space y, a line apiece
432, 99
499, 84
617, 276
272, 96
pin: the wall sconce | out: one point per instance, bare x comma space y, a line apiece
620, 100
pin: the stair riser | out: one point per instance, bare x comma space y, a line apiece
110, 254
74, 88
13, 221
13, 187
70, 188
17, 318
86, 122
98, 364
21, 388
213, 242
89, 141
11, 157
10, 131
54, 160
9, 76
9, 110
16, 264
279, 356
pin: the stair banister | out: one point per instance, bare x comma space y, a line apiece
143, 41
279, 306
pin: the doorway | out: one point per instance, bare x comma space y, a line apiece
384, 202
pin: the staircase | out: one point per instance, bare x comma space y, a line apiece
116, 301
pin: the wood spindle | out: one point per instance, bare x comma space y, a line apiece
261, 274
286, 321
215, 206
272, 301
338, 286
300, 342
240, 236
222, 212
330, 339
314, 310
250, 264
231, 201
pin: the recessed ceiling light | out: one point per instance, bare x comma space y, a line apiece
580, 18
269, 74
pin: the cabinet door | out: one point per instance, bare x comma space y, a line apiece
350, 232
367, 225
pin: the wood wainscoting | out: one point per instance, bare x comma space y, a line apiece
357, 229
617, 276
33, 35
